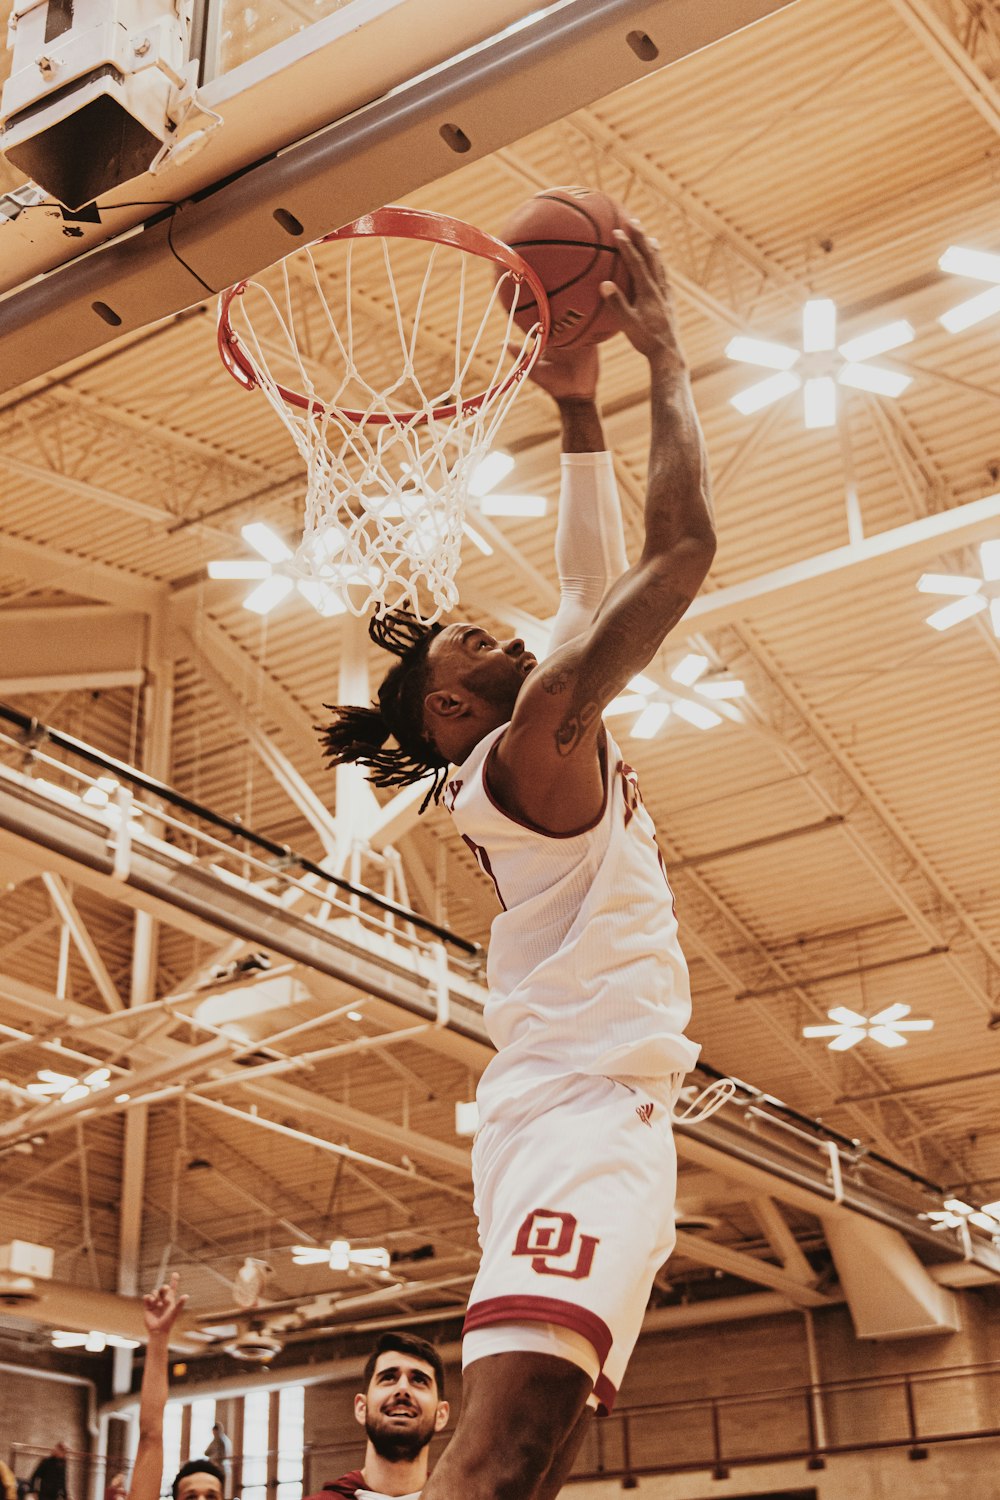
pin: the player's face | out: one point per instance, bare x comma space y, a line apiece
199, 1487
468, 657
401, 1406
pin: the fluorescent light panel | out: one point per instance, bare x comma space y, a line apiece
765, 392
947, 583
975, 310
953, 614
819, 325
266, 595
762, 352
650, 721
820, 396
265, 541
513, 505
989, 560
878, 341
242, 568
477, 539
625, 703
689, 669
698, 714
873, 378
488, 473
980, 265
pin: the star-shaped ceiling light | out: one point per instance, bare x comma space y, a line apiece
277, 573
978, 265
654, 705
52, 1086
972, 595
340, 1256
823, 365
94, 1342
848, 1027
957, 1212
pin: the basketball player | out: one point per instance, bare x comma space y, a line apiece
401, 1408
199, 1479
574, 1162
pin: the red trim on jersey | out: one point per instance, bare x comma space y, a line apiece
545, 833
525, 1308
606, 1394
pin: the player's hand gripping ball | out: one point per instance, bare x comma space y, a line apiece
566, 235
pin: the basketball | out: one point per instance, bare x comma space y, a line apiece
566, 235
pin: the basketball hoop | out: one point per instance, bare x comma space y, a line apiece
376, 400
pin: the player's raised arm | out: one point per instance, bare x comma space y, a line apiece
590, 538
161, 1309
559, 711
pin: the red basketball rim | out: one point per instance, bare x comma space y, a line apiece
399, 223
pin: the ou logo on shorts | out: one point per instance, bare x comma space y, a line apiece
547, 1235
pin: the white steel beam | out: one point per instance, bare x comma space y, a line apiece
781, 1239
747, 1267
85, 945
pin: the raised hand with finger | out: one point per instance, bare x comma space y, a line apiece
162, 1307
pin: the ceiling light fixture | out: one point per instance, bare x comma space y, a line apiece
977, 265
59, 1086
483, 481
970, 596
340, 1255
276, 575
823, 366
956, 1212
93, 1342
654, 705
848, 1027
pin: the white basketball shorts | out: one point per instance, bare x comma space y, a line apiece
575, 1190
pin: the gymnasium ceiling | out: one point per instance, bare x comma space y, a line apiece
832, 843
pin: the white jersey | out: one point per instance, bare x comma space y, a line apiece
585, 971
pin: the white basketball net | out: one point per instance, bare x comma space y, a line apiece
388, 446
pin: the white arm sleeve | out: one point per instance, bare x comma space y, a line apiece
590, 542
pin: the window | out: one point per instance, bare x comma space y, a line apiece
291, 1437
202, 1418
171, 1444
256, 1407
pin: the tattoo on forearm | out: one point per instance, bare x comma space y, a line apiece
640, 626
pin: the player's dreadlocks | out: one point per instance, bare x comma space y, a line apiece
359, 734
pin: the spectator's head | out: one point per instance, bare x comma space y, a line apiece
198, 1479
60, 1450
403, 1404
217, 1428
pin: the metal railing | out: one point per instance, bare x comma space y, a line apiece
912, 1411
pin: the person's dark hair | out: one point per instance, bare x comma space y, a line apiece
405, 1343
360, 734
198, 1466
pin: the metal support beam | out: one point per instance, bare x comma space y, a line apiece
85, 945
934, 25
747, 1268
781, 1239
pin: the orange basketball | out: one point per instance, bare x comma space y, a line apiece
566, 235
